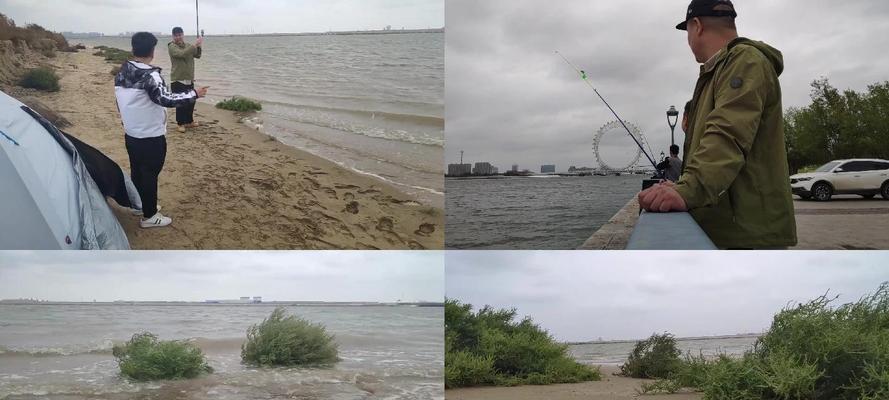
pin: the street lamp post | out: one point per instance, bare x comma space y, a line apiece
672, 113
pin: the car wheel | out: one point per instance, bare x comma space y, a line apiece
822, 191
884, 190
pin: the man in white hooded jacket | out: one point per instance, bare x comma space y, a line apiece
142, 97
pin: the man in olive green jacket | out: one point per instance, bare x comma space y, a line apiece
735, 179
182, 57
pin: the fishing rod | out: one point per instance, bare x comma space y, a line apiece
619, 119
197, 21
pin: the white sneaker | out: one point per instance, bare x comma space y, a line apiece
140, 213
158, 220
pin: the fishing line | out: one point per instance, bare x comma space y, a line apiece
619, 119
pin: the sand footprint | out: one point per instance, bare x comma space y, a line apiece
385, 224
425, 229
352, 207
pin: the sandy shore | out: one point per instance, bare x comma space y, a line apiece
228, 186
610, 387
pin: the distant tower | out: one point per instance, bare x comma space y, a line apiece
461, 156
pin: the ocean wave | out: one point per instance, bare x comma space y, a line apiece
328, 118
71, 350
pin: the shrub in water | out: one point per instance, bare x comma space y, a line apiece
285, 340
145, 358
42, 78
655, 357
241, 104
489, 347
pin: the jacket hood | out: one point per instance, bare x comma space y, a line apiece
134, 71
772, 54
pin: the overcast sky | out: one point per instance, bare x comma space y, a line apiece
629, 295
225, 16
511, 99
201, 275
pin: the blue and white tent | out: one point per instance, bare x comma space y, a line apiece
49, 198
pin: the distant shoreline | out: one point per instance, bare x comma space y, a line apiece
371, 32
689, 339
198, 303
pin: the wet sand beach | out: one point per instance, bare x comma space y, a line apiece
611, 387
229, 186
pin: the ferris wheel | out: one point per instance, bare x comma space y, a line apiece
615, 128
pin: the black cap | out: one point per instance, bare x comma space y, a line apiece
708, 8
177, 29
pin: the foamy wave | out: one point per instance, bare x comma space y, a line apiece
101, 348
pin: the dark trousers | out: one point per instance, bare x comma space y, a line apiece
184, 114
146, 162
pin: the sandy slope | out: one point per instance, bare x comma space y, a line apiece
227, 186
610, 387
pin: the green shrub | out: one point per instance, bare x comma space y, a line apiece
41, 78
288, 341
812, 351
466, 369
145, 358
733, 379
113, 55
489, 347
241, 104
660, 386
652, 358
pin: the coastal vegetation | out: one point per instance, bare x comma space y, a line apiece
113, 55
145, 358
489, 347
837, 125
41, 78
241, 104
34, 36
286, 340
655, 357
813, 351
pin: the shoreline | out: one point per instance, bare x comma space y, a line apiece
611, 387
228, 186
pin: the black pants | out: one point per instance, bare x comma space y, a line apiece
184, 114
147, 158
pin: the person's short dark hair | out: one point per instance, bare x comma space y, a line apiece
687, 107
143, 44
177, 30
674, 149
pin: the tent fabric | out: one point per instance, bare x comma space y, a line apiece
50, 199
110, 179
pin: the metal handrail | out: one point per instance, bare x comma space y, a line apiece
668, 231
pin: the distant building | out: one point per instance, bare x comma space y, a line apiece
459, 169
496, 170
515, 168
82, 35
242, 300
483, 169
548, 169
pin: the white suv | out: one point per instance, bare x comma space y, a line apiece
864, 177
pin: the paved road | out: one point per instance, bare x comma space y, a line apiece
845, 222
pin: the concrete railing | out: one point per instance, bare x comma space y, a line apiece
668, 231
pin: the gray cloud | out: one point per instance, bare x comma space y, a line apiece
511, 99
625, 295
225, 16
197, 276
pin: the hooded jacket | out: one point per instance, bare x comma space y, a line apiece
735, 179
142, 96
